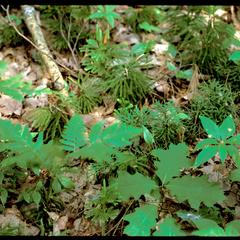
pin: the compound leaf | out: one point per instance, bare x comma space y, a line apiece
73, 134
196, 190
141, 221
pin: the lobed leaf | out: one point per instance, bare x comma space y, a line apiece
141, 221
171, 161
196, 190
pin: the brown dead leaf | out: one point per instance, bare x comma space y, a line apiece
62, 222
9, 106
12, 218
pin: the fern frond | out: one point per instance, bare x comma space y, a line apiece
73, 134
39, 117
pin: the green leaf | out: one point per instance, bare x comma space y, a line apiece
186, 74
168, 228
119, 134
223, 153
210, 127
99, 34
3, 195
36, 197
66, 182
206, 154
73, 134
171, 66
3, 67
26, 196
98, 151
96, 131
148, 137
235, 175
56, 186
233, 152
196, 190
234, 140
205, 142
141, 221
172, 50
227, 128
233, 228
182, 116
235, 57
171, 161
133, 185
148, 27
208, 227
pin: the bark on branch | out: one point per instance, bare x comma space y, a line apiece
39, 40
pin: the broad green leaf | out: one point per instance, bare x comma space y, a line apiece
235, 175
99, 34
205, 142
205, 155
222, 153
148, 137
26, 196
148, 27
172, 50
171, 66
227, 128
196, 190
233, 227
56, 186
119, 134
182, 116
168, 228
235, 57
133, 185
208, 227
3, 67
36, 197
234, 153
3, 195
98, 152
210, 127
1, 177
234, 140
141, 221
210, 232
66, 182
186, 74
73, 134
171, 161
204, 223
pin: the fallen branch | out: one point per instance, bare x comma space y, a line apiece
39, 40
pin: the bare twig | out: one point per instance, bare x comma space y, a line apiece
68, 41
12, 24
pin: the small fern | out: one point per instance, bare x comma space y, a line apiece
39, 117
50, 121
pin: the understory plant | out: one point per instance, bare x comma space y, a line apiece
213, 100
197, 32
163, 124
